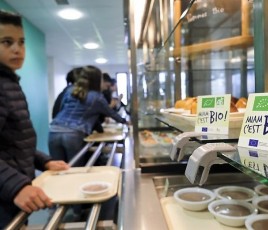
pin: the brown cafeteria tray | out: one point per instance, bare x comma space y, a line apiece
64, 188
180, 218
106, 136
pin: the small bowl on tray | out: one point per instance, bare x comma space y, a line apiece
94, 188
257, 222
232, 212
194, 198
261, 203
261, 189
235, 193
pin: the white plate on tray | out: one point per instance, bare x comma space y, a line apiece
188, 115
173, 110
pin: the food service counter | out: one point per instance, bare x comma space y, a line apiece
139, 207
144, 196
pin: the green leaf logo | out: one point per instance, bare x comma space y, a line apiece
260, 103
208, 102
220, 101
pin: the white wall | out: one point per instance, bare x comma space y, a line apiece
57, 72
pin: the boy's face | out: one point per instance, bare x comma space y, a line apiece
105, 85
12, 50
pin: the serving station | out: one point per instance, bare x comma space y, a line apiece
186, 49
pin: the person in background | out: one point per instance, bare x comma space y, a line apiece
107, 93
18, 154
106, 87
83, 104
115, 97
117, 103
70, 79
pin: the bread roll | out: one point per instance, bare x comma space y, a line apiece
241, 103
234, 99
180, 104
194, 106
188, 103
233, 108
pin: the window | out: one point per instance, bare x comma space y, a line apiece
122, 86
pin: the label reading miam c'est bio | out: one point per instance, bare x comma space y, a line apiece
213, 114
254, 130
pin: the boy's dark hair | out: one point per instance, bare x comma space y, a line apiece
113, 81
73, 75
106, 77
10, 18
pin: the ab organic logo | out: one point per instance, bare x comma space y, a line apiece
211, 102
208, 102
260, 103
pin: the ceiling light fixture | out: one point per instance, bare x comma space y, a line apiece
70, 14
101, 60
91, 45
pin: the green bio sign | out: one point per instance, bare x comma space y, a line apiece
208, 102
260, 103
254, 130
212, 102
213, 114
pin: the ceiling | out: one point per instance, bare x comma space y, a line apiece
102, 22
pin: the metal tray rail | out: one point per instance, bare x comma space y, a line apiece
59, 213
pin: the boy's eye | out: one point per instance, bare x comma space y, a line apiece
21, 42
7, 42
10, 42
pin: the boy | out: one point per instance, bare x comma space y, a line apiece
18, 155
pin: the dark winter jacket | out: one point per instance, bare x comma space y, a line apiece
18, 154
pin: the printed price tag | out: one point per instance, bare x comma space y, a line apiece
254, 130
213, 114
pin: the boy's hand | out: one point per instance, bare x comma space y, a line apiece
31, 199
56, 165
128, 123
113, 103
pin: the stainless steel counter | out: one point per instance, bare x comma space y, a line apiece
141, 194
140, 207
